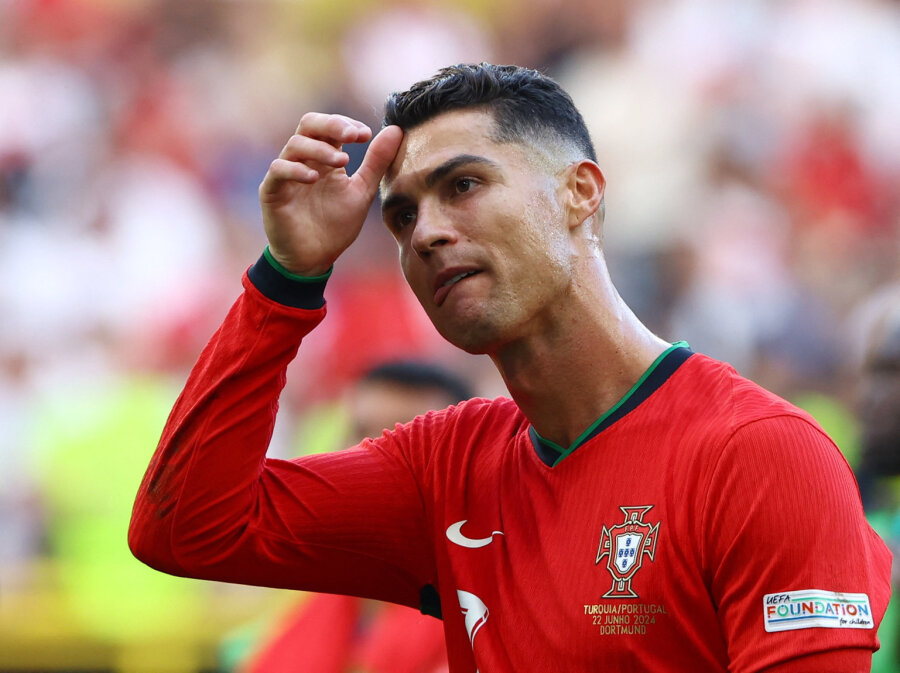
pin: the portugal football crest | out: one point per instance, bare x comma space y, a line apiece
625, 546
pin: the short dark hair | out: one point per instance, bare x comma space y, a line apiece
421, 375
525, 103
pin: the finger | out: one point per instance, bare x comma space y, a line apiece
355, 122
281, 171
333, 129
379, 156
303, 149
319, 120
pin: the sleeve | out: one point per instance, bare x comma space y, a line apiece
212, 506
799, 578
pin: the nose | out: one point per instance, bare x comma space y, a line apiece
432, 230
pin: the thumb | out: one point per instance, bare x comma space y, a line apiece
380, 154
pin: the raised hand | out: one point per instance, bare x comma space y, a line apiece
312, 210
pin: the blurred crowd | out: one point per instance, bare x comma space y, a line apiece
751, 149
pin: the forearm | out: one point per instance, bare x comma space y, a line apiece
200, 486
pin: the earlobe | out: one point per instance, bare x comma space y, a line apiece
586, 187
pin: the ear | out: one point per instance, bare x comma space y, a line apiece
585, 186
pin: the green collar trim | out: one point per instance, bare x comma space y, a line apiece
562, 452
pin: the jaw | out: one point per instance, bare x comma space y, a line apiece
475, 339
487, 324
466, 314
484, 316
470, 325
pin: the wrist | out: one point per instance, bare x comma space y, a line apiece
288, 271
285, 287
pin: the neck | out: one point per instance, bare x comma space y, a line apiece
581, 360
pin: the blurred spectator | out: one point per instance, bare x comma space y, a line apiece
879, 394
879, 467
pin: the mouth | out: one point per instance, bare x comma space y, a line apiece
446, 281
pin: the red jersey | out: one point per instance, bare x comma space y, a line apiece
703, 524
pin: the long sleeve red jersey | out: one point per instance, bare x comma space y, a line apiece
702, 525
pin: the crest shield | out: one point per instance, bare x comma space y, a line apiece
627, 545
624, 546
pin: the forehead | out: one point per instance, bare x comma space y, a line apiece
451, 134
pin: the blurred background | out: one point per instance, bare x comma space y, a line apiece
752, 153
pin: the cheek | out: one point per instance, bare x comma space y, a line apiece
544, 233
413, 273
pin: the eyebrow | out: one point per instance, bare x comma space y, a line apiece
436, 174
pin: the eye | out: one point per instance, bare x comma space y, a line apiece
463, 185
403, 218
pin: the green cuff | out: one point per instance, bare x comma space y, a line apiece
284, 287
293, 276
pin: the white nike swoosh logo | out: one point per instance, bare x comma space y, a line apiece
454, 534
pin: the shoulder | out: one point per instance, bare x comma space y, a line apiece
769, 451
482, 411
442, 434
733, 404
741, 436
477, 412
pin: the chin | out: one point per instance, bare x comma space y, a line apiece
474, 337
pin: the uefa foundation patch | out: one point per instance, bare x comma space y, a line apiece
815, 608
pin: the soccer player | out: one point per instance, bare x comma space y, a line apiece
632, 506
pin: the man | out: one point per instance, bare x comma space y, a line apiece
879, 393
879, 414
633, 507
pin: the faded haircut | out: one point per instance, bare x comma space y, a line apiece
526, 105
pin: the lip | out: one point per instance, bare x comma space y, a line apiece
441, 289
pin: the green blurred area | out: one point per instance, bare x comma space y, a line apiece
95, 447
89, 604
